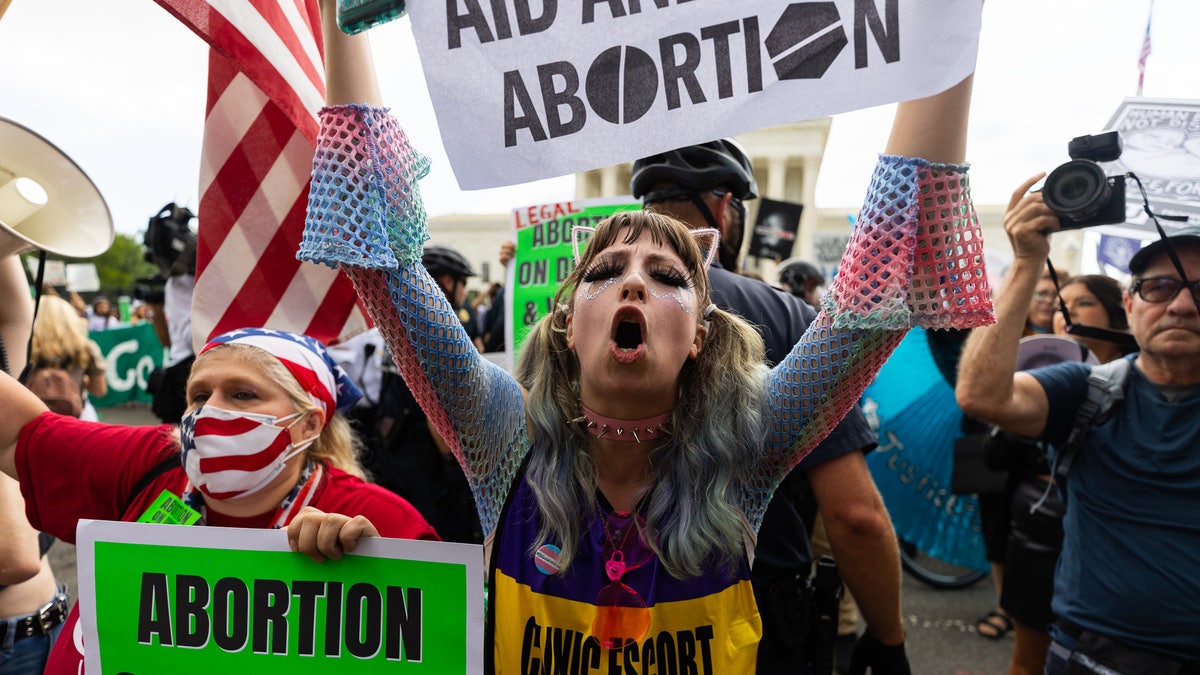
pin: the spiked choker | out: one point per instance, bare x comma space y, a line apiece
633, 431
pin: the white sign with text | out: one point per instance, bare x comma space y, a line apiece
531, 89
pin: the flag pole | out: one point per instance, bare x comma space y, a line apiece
1145, 53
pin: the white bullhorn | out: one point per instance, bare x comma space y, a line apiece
46, 201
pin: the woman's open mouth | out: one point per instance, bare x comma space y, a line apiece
628, 343
628, 335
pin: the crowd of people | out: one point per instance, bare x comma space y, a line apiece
678, 444
614, 440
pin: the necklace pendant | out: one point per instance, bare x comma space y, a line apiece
615, 567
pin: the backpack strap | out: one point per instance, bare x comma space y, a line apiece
164, 465
1106, 390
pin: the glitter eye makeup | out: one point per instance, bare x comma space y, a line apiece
675, 295
586, 295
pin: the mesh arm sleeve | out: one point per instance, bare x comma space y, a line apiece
915, 258
365, 214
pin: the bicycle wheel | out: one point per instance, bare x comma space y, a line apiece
936, 573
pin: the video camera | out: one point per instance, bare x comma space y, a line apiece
151, 290
170, 242
1079, 192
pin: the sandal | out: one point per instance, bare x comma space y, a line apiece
995, 625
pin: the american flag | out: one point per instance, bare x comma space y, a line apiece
1145, 51
265, 85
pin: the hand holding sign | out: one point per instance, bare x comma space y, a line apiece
321, 535
192, 599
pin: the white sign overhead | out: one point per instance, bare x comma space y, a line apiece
1161, 141
530, 89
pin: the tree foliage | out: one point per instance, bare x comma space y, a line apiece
118, 268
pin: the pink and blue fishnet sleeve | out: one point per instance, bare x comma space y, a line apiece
365, 215
915, 258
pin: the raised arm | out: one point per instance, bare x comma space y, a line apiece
349, 66
988, 385
19, 559
933, 128
365, 215
20, 407
915, 258
16, 312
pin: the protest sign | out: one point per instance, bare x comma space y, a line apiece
544, 257
168, 598
82, 278
54, 273
828, 248
130, 352
1161, 140
524, 91
775, 229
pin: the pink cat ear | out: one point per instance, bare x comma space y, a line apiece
575, 232
714, 242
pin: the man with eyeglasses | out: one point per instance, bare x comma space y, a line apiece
706, 185
1126, 596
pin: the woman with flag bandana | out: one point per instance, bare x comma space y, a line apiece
263, 437
621, 475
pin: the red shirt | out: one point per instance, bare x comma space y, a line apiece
71, 469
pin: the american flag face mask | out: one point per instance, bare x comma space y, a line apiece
229, 454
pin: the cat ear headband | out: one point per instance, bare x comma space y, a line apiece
711, 233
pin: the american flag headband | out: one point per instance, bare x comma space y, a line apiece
711, 233
306, 359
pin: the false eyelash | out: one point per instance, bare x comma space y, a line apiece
669, 276
603, 270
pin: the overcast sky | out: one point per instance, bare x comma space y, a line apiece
119, 85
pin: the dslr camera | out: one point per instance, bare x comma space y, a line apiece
1079, 192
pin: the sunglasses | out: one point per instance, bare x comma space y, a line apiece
621, 614
1158, 290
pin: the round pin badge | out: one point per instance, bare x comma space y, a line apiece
546, 559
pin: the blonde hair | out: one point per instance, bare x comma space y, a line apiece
337, 444
60, 335
716, 427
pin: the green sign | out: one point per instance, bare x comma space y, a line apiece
131, 353
164, 598
544, 256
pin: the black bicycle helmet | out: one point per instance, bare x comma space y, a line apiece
439, 259
720, 163
795, 274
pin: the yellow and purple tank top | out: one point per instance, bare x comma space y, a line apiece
542, 621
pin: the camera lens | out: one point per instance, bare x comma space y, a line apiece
1076, 190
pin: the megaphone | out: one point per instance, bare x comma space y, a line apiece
46, 201
1036, 351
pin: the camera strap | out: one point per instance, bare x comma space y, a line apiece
1124, 341
1163, 235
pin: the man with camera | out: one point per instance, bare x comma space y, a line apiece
1125, 595
171, 245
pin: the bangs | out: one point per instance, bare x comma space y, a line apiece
663, 231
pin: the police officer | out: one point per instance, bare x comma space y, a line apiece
451, 270
706, 185
802, 279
